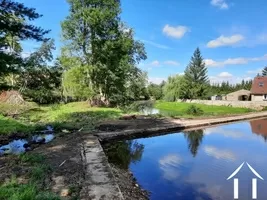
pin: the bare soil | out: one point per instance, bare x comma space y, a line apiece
62, 155
129, 187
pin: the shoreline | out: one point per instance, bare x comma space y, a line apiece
170, 125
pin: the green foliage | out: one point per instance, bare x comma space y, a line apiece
9, 125
180, 109
196, 76
226, 87
76, 83
32, 158
14, 23
175, 88
155, 90
95, 36
264, 71
194, 110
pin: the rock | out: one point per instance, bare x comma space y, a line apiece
65, 193
136, 185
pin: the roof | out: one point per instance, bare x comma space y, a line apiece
256, 88
245, 92
259, 127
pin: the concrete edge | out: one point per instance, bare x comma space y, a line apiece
137, 133
99, 181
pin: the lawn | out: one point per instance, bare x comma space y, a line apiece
71, 116
179, 109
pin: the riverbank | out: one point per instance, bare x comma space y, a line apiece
71, 175
146, 126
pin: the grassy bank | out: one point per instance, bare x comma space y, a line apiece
28, 182
65, 116
180, 109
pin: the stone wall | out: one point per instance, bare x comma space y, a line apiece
258, 105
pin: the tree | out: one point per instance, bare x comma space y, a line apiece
39, 81
14, 23
174, 88
155, 90
75, 83
264, 71
94, 33
196, 76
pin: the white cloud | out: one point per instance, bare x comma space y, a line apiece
233, 61
155, 63
219, 153
169, 164
171, 62
225, 41
161, 46
225, 75
175, 32
156, 80
220, 4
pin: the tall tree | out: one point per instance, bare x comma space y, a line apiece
14, 23
94, 33
196, 75
264, 71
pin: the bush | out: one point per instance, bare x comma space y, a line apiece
138, 106
42, 96
194, 110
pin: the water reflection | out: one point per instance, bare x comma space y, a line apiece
259, 127
124, 152
194, 139
164, 165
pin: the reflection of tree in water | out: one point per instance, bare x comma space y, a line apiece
124, 152
194, 139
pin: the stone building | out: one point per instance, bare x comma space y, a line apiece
240, 95
259, 89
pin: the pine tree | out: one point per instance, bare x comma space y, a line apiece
196, 76
264, 71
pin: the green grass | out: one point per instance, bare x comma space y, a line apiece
72, 116
179, 109
34, 189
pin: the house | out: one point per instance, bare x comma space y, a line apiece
259, 89
240, 95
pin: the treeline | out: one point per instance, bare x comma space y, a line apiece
194, 84
98, 61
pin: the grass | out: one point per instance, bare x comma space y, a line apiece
34, 189
180, 109
72, 116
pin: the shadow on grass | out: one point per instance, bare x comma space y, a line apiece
85, 120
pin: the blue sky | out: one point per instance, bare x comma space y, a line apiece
231, 34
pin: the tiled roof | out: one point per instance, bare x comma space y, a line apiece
259, 85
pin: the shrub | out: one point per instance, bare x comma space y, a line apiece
138, 106
194, 110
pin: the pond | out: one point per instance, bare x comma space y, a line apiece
196, 164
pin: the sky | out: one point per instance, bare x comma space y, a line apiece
231, 34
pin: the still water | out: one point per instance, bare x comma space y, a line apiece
195, 165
